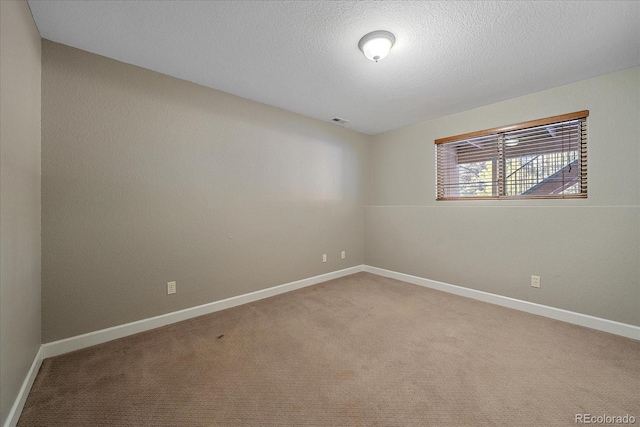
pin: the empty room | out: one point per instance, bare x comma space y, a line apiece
319, 213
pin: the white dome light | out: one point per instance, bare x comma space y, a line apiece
511, 142
376, 45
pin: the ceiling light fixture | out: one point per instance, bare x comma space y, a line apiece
377, 44
511, 142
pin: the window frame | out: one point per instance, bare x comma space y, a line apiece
499, 132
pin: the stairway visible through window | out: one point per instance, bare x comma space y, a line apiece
545, 158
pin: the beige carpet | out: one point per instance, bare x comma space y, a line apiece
357, 351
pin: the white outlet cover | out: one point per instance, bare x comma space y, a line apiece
535, 281
324, 257
171, 288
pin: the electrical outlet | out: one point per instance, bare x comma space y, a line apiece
171, 288
535, 281
324, 257
343, 255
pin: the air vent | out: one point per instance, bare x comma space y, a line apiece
339, 121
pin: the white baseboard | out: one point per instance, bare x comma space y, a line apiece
16, 409
67, 345
617, 328
98, 337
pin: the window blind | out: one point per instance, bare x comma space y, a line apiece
544, 158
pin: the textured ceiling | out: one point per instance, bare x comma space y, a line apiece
303, 56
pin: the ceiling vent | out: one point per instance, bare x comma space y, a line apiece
339, 121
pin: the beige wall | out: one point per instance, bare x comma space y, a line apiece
148, 179
587, 251
19, 198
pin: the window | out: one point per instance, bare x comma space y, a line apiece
544, 158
